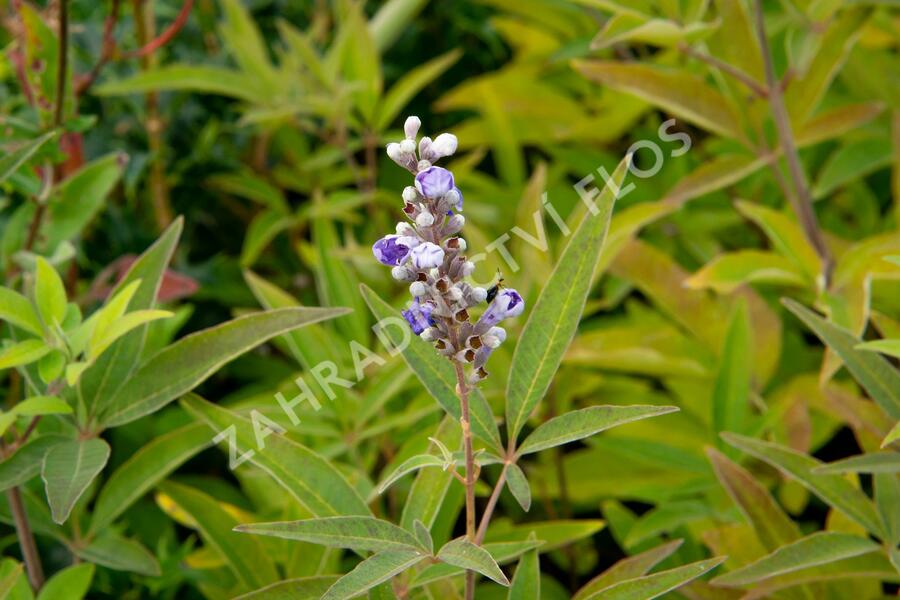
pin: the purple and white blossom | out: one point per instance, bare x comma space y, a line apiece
426, 253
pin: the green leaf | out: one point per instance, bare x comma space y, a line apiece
246, 45
554, 534
887, 499
434, 371
628, 568
302, 588
624, 28
98, 384
187, 363
889, 347
11, 163
49, 294
892, 436
144, 469
411, 84
423, 536
430, 488
337, 283
785, 234
123, 326
772, 526
874, 462
852, 161
202, 79
518, 486
666, 517
23, 353
466, 555
410, 465
392, 19
371, 572
42, 405
115, 552
817, 549
727, 272
245, 556
731, 389
307, 476
684, 95
26, 463
653, 586
17, 310
873, 372
526, 582
833, 489
586, 422
355, 533
69, 584
67, 471
554, 319
11, 574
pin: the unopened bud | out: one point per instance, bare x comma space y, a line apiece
407, 146
394, 152
479, 294
425, 219
423, 164
444, 145
405, 229
418, 289
467, 269
411, 127
410, 194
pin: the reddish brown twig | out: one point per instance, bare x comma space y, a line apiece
166, 36
107, 51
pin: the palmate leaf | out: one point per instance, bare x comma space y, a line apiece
872, 371
435, 372
244, 555
833, 489
181, 367
355, 533
628, 568
68, 470
554, 318
144, 469
585, 422
311, 479
371, 572
817, 549
466, 555
653, 586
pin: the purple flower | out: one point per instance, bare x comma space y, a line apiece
507, 304
426, 256
393, 250
419, 316
434, 182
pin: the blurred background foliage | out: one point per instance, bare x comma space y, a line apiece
263, 123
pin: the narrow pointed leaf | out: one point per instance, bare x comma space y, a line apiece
423, 535
518, 486
67, 471
871, 370
434, 371
310, 478
11, 162
49, 294
410, 465
628, 568
18, 310
731, 389
188, 362
145, 468
833, 489
302, 588
26, 463
71, 583
653, 586
115, 552
371, 572
585, 422
23, 353
526, 582
466, 555
817, 549
355, 533
554, 319
875, 462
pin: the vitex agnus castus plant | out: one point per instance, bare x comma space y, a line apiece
456, 327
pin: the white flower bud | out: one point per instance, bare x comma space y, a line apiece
497, 332
425, 219
410, 194
394, 152
407, 146
455, 294
411, 127
444, 145
467, 269
425, 147
430, 334
423, 164
404, 229
400, 273
452, 198
426, 256
417, 289
455, 223
462, 245
479, 294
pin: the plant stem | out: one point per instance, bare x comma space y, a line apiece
723, 66
801, 200
26, 539
62, 65
491, 505
463, 391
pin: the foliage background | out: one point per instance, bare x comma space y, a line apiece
276, 164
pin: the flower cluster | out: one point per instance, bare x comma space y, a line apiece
427, 252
